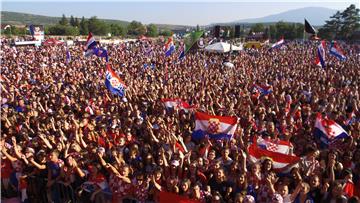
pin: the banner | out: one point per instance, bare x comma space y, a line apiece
37, 31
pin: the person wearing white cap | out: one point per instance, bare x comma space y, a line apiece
249, 199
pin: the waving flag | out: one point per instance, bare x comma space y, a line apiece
169, 47
328, 131
280, 161
320, 55
217, 127
90, 45
182, 51
177, 103
101, 52
68, 56
279, 146
114, 84
189, 41
278, 44
261, 89
308, 28
32, 30
336, 50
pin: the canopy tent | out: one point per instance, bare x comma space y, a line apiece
222, 47
52, 41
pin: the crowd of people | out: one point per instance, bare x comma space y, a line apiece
65, 137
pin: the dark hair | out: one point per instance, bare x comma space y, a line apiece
354, 199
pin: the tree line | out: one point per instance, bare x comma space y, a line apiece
74, 27
342, 25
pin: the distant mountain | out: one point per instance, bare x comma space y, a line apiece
15, 18
315, 15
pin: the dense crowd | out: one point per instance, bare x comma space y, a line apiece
61, 127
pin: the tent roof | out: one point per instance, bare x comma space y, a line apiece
222, 47
52, 41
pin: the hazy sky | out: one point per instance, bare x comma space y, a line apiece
169, 12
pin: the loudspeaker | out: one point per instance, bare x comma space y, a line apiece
217, 31
237, 31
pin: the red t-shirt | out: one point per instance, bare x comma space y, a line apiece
6, 168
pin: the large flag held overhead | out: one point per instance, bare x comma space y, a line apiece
169, 47
189, 41
320, 54
216, 127
279, 146
114, 84
328, 131
309, 28
280, 161
336, 50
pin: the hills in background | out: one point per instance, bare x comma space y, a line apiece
16, 18
315, 15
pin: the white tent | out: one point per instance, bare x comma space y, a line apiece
222, 47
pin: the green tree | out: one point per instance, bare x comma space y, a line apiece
166, 33
273, 32
342, 24
350, 21
84, 30
62, 30
64, 20
72, 21
98, 27
258, 27
332, 27
152, 30
136, 28
117, 30
77, 23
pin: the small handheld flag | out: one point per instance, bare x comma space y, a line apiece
68, 56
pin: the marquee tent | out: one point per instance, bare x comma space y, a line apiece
222, 47
52, 41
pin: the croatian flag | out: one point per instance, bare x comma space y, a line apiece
114, 84
279, 146
280, 161
217, 127
262, 89
320, 55
336, 50
278, 44
90, 44
182, 51
101, 52
68, 56
169, 47
328, 131
177, 103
